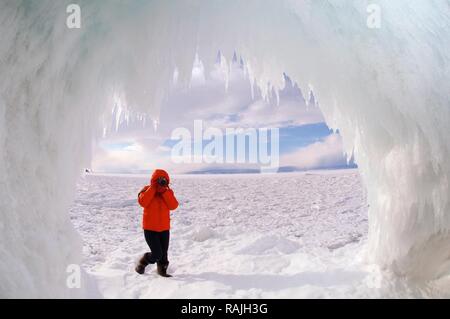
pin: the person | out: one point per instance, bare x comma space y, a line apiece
157, 200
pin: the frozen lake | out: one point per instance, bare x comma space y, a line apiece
296, 235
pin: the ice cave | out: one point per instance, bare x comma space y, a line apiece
385, 88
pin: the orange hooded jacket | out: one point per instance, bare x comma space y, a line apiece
157, 205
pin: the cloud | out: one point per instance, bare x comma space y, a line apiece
134, 158
287, 113
210, 101
327, 153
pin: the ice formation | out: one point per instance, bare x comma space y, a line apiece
385, 89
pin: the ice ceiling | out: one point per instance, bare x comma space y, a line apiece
386, 89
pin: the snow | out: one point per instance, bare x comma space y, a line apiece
289, 235
386, 90
263, 236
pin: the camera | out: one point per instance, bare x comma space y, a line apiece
162, 181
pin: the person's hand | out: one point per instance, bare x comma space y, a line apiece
161, 189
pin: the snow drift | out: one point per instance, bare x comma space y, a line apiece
385, 89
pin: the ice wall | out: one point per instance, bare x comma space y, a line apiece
385, 89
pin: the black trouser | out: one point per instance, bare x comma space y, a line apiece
159, 245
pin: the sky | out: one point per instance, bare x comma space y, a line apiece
221, 100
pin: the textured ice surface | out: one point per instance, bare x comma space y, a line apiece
233, 235
385, 89
263, 236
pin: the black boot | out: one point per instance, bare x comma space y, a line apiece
143, 262
162, 269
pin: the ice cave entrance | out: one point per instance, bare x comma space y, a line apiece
386, 89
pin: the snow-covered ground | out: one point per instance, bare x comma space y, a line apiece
243, 236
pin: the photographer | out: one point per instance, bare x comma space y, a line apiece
158, 200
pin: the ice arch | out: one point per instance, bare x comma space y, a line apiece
385, 89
